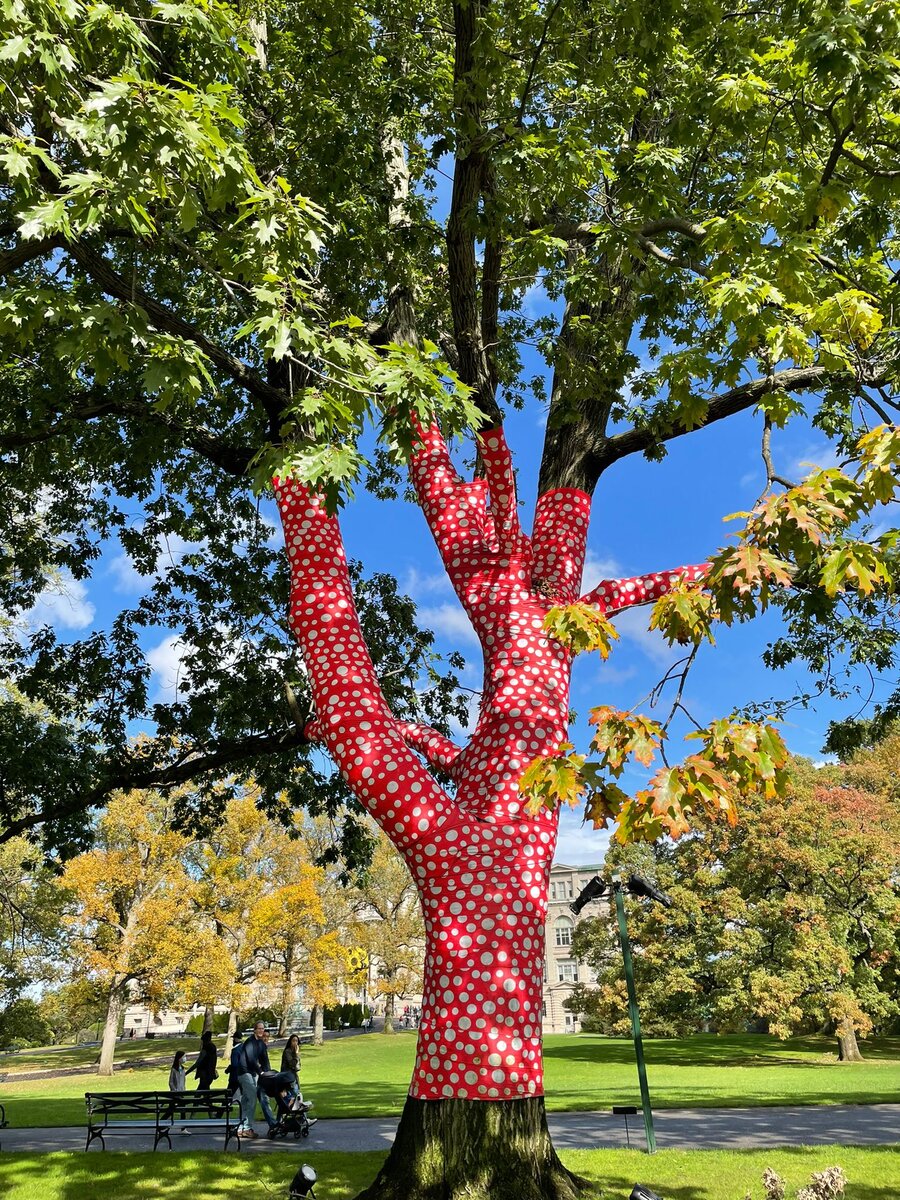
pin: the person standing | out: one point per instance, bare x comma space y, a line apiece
290, 1058
248, 1061
263, 1095
205, 1065
290, 1065
176, 1074
177, 1085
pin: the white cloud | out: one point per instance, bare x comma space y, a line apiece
613, 675
63, 604
448, 621
167, 664
579, 843
535, 301
596, 569
420, 583
171, 549
814, 456
632, 625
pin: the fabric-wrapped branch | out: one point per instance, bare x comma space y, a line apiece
614, 595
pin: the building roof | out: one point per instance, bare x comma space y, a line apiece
558, 866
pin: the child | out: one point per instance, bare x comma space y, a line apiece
177, 1082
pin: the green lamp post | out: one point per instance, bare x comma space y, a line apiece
637, 886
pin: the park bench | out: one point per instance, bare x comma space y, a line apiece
128, 1112
3, 1121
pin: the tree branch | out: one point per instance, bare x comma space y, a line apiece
793, 379
24, 252
136, 772
615, 595
233, 459
501, 482
766, 451
877, 172
535, 59
468, 181
437, 750
163, 318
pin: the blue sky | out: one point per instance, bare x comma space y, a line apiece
646, 517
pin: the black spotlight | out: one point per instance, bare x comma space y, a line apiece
640, 1191
302, 1183
592, 890
639, 886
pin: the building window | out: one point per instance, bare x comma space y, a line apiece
567, 972
544, 1009
563, 929
570, 1022
561, 889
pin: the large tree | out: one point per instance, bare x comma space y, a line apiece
128, 921
790, 918
229, 251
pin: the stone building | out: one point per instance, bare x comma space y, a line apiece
561, 971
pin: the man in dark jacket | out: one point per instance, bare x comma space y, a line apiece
248, 1061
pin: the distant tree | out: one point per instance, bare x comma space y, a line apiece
789, 919
74, 1008
129, 920
287, 928
22, 1023
389, 927
253, 881
32, 937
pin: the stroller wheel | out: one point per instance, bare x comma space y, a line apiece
297, 1135
305, 1131
273, 1133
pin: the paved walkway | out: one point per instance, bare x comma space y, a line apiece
684, 1129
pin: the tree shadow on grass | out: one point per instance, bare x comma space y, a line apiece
184, 1176
873, 1173
618, 1187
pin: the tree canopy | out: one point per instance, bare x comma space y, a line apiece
230, 249
789, 919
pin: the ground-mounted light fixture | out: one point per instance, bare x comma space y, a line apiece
636, 885
641, 1192
302, 1183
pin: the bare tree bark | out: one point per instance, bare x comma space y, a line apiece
114, 1008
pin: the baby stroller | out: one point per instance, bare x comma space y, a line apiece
292, 1109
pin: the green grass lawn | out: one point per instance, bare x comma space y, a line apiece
369, 1075
873, 1172
43, 1057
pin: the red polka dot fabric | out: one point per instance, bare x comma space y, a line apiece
613, 595
481, 866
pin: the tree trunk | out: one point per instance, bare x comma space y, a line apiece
230, 1031
110, 1031
208, 1019
848, 1047
474, 1125
473, 1150
318, 1024
388, 1014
